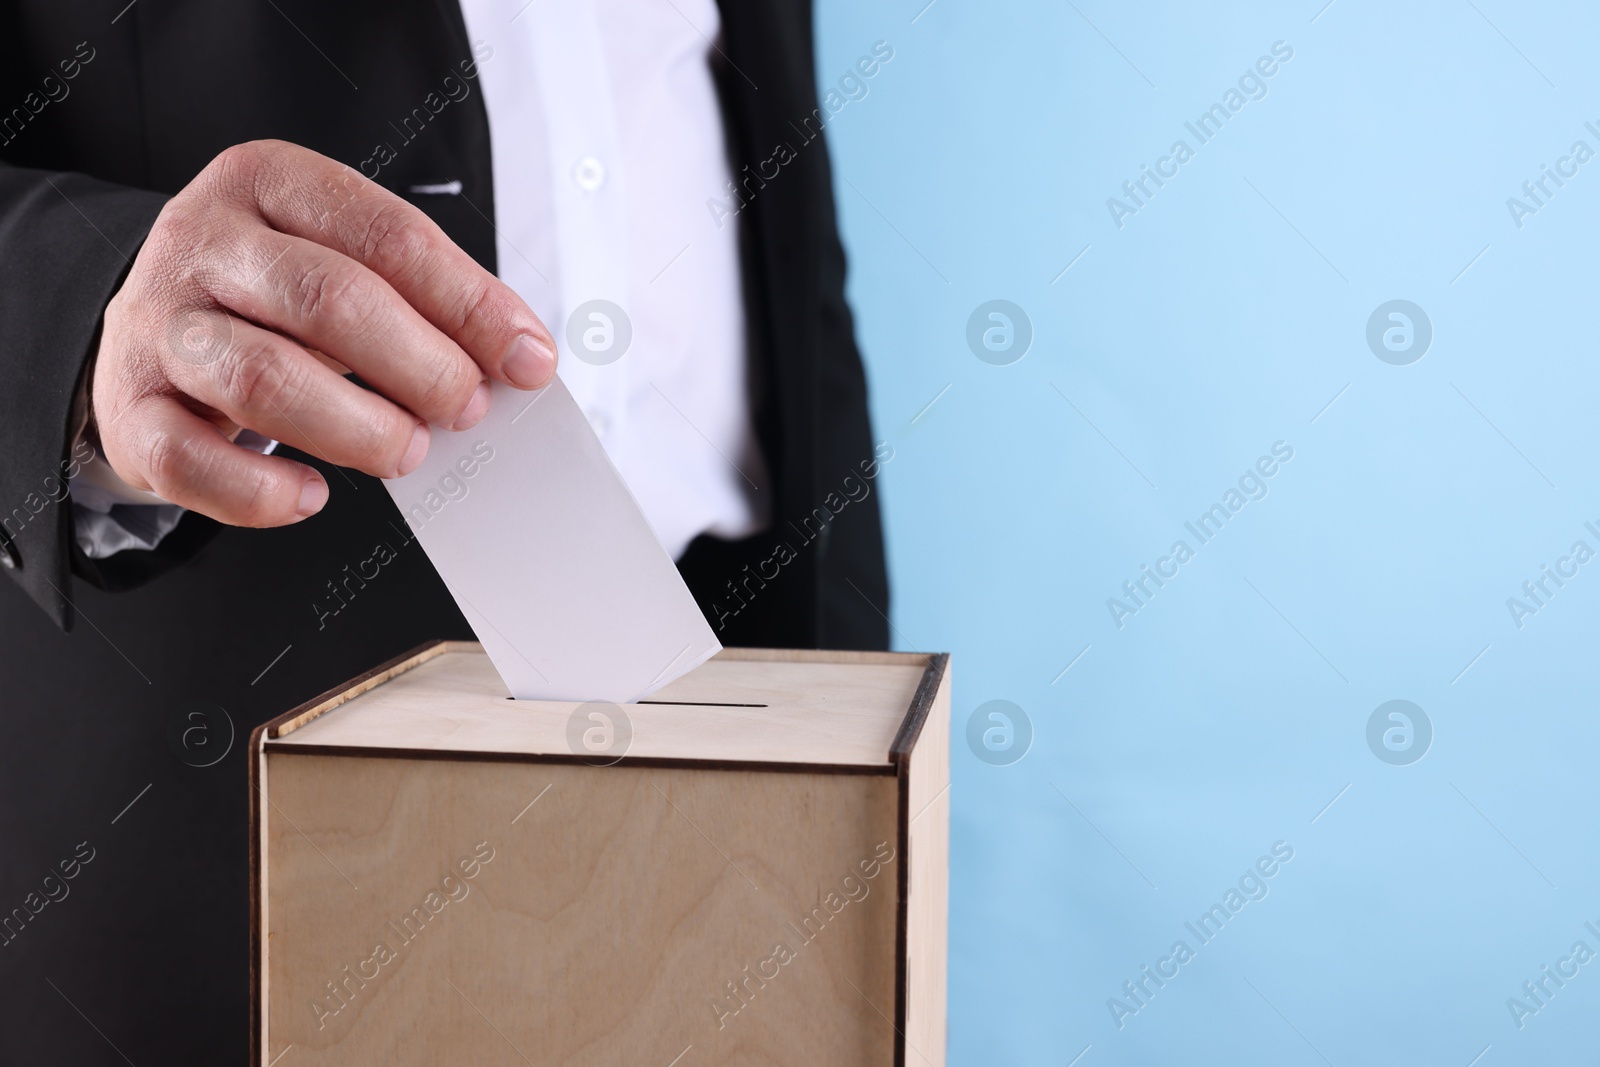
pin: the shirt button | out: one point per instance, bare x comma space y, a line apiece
600, 424
589, 174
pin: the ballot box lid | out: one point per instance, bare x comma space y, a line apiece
771, 708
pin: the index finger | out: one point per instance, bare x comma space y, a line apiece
322, 200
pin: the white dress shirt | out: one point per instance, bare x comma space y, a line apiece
607, 142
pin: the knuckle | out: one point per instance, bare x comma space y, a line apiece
397, 239
238, 163
173, 240
195, 246
239, 171
168, 462
336, 297
257, 378
477, 304
448, 392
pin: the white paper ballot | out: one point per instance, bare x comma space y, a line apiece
548, 555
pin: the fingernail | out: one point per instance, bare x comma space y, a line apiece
529, 363
416, 450
313, 494
477, 407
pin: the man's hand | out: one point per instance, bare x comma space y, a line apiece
261, 283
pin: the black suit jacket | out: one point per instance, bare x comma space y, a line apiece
107, 109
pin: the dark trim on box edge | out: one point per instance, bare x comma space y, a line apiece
905, 739
902, 918
900, 753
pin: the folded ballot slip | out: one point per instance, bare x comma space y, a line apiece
548, 555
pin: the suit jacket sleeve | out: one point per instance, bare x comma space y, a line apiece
66, 242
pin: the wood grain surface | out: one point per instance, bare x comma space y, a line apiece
606, 928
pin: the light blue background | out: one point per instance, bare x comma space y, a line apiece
1221, 318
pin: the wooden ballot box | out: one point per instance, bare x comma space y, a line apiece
747, 868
